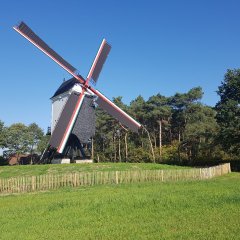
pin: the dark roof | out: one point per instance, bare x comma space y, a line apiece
65, 86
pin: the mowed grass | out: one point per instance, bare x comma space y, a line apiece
180, 210
34, 170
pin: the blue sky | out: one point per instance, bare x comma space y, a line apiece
157, 47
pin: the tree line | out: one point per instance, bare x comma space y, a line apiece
20, 139
179, 129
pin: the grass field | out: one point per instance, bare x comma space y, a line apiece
181, 210
34, 170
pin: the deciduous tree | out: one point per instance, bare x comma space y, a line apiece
17, 139
34, 135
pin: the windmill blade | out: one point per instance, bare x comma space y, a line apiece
116, 112
99, 61
66, 121
27, 32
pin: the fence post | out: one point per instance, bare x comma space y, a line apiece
116, 177
33, 183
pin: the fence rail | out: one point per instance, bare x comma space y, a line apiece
55, 181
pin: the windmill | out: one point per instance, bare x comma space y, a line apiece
69, 118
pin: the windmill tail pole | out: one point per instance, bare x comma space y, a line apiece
150, 142
43, 154
47, 155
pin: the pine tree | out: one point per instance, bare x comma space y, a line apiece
228, 111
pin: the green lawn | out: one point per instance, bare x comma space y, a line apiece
180, 210
33, 170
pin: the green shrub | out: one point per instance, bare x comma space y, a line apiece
139, 155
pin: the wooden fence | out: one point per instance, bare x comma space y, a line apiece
55, 181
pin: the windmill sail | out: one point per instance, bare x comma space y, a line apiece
27, 32
99, 61
66, 121
116, 112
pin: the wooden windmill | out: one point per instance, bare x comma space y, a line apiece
69, 120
